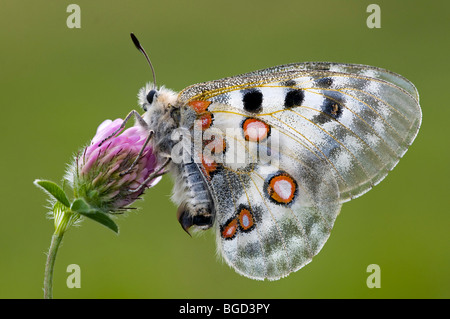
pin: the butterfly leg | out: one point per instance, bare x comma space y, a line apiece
138, 157
138, 118
158, 172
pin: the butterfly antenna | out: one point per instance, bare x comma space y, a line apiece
140, 48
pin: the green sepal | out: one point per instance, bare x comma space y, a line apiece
63, 217
54, 190
80, 206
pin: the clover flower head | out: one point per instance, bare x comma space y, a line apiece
109, 174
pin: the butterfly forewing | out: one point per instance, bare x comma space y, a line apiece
350, 115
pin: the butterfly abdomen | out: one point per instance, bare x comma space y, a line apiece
196, 206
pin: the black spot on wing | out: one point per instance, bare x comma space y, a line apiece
252, 100
331, 110
294, 98
324, 82
289, 83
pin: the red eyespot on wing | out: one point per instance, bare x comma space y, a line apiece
282, 188
216, 145
246, 221
209, 166
229, 230
255, 130
206, 120
199, 106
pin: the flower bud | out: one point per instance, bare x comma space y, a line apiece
109, 174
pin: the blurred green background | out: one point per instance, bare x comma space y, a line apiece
57, 84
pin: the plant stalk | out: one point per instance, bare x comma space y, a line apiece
49, 266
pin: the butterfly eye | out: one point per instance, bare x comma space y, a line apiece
150, 96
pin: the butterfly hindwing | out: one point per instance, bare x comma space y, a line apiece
271, 222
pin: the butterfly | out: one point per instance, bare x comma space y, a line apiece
267, 158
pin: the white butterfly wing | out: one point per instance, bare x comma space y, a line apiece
262, 238
333, 131
360, 119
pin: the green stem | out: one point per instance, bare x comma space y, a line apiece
53, 250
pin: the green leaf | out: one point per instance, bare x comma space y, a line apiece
103, 219
54, 190
81, 207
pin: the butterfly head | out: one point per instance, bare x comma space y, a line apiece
154, 98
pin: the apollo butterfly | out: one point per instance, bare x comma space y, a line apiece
278, 151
